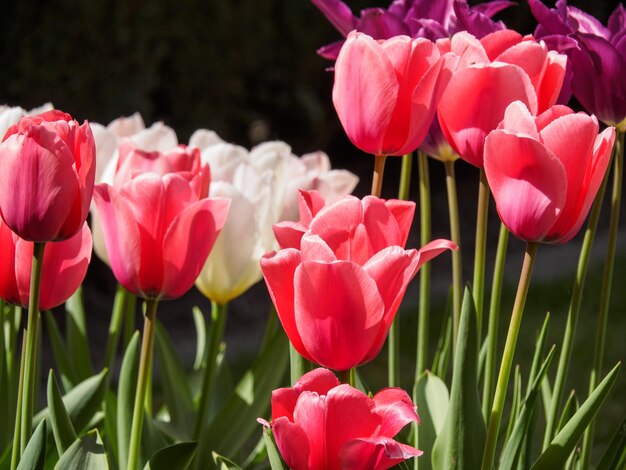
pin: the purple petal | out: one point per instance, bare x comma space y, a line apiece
587, 23
474, 22
380, 24
492, 8
338, 13
550, 21
617, 21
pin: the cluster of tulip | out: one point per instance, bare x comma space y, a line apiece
445, 78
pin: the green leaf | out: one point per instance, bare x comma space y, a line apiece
34, 455
442, 353
110, 424
85, 453
571, 405
126, 397
177, 456
61, 358
540, 345
516, 404
223, 463
200, 324
176, 389
431, 397
559, 450
64, 434
77, 341
82, 402
249, 400
272, 453
616, 450
460, 443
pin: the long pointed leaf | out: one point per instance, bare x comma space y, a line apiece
77, 341
34, 455
615, 451
272, 453
62, 360
126, 398
62, 429
431, 397
200, 325
177, 456
559, 450
460, 443
85, 453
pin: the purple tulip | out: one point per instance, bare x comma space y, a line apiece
596, 53
416, 18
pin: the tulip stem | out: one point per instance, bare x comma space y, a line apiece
122, 299
482, 216
297, 366
605, 292
507, 356
377, 179
494, 314
572, 315
145, 365
130, 312
16, 451
424, 293
348, 376
455, 235
30, 345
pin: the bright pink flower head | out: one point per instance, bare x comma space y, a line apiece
63, 270
159, 225
545, 171
289, 233
386, 92
320, 424
492, 73
47, 177
338, 288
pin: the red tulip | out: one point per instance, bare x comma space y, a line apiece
338, 291
322, 425
47, 177
63, 270
554, 165
386, 92
159, 225
492, 73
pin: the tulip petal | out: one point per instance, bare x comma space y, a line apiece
381, 225
518, 119
310, 416
288, 234
9, 288
374, 453
293, 443
319, 380
338, 311
396, 409
403, 212
284, 402
314, 248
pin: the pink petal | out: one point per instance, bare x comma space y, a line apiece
518, 119
498, 42
403, 212
9, 289
374, 453
293, 443
309, 204
288, 234
310, 416
381, 226
396, 409
552, 82
338, 312
314, 248
284, 402
318, 380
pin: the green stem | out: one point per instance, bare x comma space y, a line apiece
130, 312
572, 316
16, 451
455, 235
494, 314
145, 364
120, 305
30, 358
348, 376
605, 292
482, 216
507, 356
297, 365
377, 178
218, 322
425, 235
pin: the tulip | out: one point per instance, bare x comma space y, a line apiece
159, 226
64, 267
337, 294
555, 164
322, 424
492, 73
46, 183
596, 54
10, 115
288, 233
386, 93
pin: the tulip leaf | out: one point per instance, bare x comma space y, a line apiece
175, 383
110, 424
177, 456
34, 455
200, 325
85, 453
523, 423
77, 341
516, 403
559, 450
82, 403
272, 452
61, 357
223, 463
442, 353
249, 400
461, 441
431, 397
615, 454
62, 429
126, 397
571, 405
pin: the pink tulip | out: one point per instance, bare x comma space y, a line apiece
288, 233
338, 291
492, 73
554, 165
386, 92
159, 225
63, 270
320, 424
47, 177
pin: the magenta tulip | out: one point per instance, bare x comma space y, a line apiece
320, 424
64, 267
554, 165
159, 225
337, 293
47, 177
386, 93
